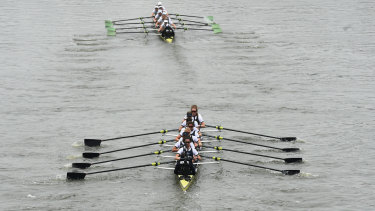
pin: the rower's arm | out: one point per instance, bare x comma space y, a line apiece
177, 157
174, 149
178, 137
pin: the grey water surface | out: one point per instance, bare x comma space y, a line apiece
281, 68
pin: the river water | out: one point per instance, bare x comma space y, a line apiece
281, 68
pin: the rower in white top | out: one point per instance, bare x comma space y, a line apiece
196, 117
180, 143
162, 23
194, 132
189, 119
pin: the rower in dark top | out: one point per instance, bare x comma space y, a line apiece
188, 155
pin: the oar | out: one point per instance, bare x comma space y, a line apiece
96, 142
287, 160
112, 32
215, 30
130, 19
211, 18
137, 27
97, 154
244, 142
286, 172
86, 165
280, 138
142, 22
82, 175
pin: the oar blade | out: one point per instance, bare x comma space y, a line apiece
111, 29
288, 138
111, 33
75, 175
211, 18
293, 160
108, 23
92, 142
290, 172
290, 149
90, 154
81, 165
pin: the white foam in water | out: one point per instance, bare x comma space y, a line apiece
72, 157
77, 144
30, 196
68, 165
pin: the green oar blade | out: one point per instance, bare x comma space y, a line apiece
108, 24
292, 160
81, 165
290, 172
216, 28
111, 29
90, 154
75, 175
211, 18
111, 33
92, 142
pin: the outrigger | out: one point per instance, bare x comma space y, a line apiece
184, 169
146, 25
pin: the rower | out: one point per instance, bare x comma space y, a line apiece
196, 117
185, 157
193, 132
166, 30
161, 21
189, 119
155, 11
158, 16
180, 142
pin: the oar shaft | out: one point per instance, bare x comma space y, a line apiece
144, 134
135, 156
131, 167
244, 142
249, 153
248, 164
257, 134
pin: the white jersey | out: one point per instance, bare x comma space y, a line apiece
183, 124
160, 20
198, 118
193, 133
180, 144
181, 150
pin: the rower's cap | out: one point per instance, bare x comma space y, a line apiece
164, 12
156, 6
159, 3
160, 11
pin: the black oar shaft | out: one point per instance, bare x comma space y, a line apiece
244, 142
135, 156
134, 147
249, 153
144, 134
131, 167
256, 134
139, 18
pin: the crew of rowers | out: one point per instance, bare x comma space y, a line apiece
189, 138
162, 20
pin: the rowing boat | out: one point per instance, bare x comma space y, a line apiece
185, 174
185, 25
186, 181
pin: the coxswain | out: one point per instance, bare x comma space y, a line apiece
187, 154
196, 117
